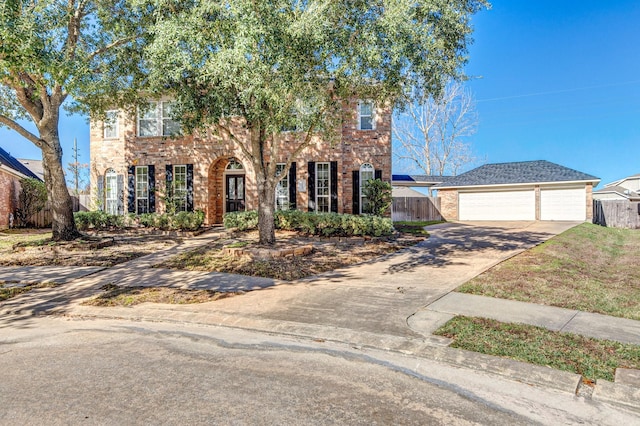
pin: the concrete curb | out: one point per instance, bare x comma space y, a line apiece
617, 393
433, 347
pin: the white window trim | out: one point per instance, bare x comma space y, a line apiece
147, 188
112, 176
373, 115
184, 189
160, 119
279, 186
106, 125
328, 197
363, 182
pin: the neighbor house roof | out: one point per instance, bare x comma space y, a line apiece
618, 182
517, 173
417, 180
34, 165
8, 161
403, 191
620, 190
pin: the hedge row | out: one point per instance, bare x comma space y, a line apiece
325, 224
98, 220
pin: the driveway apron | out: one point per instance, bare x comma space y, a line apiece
380, 296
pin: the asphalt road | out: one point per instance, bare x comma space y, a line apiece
58, 371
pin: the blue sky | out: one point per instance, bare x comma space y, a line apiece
553, 80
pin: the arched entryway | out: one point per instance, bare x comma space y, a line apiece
227, 188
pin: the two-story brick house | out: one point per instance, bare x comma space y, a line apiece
134, 161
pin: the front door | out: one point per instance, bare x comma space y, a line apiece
235, 193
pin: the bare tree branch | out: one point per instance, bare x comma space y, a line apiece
21, 130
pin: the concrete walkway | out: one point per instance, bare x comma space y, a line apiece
587, 324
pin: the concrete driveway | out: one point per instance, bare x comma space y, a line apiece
378, 298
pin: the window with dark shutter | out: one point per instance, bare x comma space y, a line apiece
152, 188
311, 185
355, 191
292, 186
189, 187
334, 186
131, 189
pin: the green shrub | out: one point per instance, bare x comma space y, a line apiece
188, 221
325, 224
378, 196
97, 220
241, 220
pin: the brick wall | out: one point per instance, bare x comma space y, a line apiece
9, 190
448, 203
209, 153
589, 202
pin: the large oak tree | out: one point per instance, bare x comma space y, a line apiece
274, 64
51, 50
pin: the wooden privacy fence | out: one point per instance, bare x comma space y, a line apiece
616, 213
413, 209
43, 218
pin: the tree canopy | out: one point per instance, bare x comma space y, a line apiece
52, 50
278, 64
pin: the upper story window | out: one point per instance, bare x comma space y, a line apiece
156, 120
111, 124
366, 115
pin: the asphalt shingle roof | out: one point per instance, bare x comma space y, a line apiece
7, 160
515, 173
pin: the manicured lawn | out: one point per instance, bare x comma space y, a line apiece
588, 268
592, 358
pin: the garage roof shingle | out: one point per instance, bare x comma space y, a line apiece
516, 173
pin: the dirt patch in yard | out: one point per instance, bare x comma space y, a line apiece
587, 268
327, 254
35, 248
127, 296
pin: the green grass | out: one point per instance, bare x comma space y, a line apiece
592, 358
588, 268
9, 238
415, 228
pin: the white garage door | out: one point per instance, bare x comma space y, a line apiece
563, 204
498, 205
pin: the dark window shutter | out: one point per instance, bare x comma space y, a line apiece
100, 195
152, 188
311, 185
292, 186
169, 179
377, 174
120, 192
189, 187
334, 186
131, 190
356, 191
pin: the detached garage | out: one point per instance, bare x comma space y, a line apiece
523, 191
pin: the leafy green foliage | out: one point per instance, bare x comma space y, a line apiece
378, 197
32, 199
99, 220
274, 65
324, 224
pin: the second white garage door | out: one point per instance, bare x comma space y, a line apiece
497, 205
563, 204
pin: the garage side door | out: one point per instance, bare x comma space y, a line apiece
497, 205
563, 204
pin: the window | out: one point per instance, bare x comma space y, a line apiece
142, 189
367, 173
234, 165
323, 188
111, 192
180, 188
156, 120
366, 116
110, 124
282, 190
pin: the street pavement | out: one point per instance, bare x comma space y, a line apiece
392, 303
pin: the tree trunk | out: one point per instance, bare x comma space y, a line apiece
266, 210
63, 225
